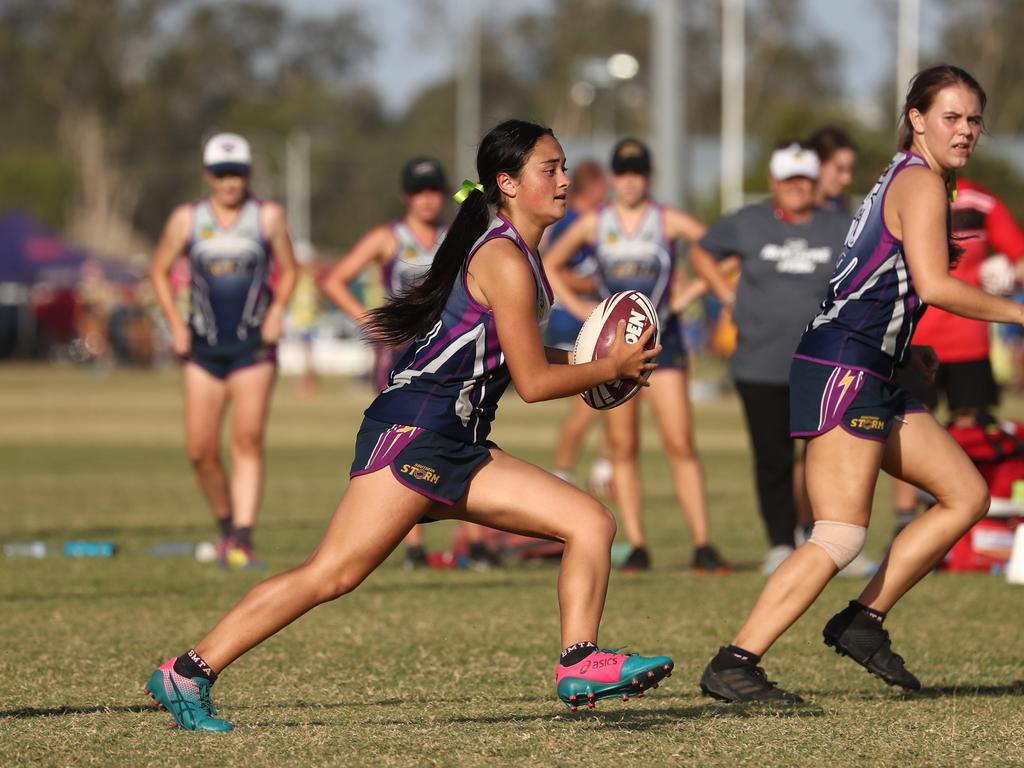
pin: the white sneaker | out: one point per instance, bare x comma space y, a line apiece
776, 556
602, 473
861, 567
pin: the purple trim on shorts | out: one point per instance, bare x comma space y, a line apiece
271, 357
862, 436
837, 363
433, 497
841, 425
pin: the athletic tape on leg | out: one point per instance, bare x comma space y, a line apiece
841, 541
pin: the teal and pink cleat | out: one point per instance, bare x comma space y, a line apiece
186, 699
606, 674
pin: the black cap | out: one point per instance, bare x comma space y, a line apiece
423, 173
631, 156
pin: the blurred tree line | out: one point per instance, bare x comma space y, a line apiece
107, 102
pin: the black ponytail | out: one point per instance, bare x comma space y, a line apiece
415, 310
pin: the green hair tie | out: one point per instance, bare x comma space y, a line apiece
466, 190
951, 186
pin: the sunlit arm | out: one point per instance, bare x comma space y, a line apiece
506, 283
915, 210
171, 245
373, 246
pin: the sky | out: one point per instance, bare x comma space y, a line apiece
410, 55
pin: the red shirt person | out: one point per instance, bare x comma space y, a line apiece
984, 226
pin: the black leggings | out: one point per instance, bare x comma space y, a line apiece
766, 407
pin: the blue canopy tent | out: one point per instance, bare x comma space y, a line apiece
30, 255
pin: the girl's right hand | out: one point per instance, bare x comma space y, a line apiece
181, 339
632, 361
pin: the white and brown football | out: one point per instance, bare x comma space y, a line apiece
597, 336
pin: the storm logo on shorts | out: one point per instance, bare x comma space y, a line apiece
870, 423
421, 472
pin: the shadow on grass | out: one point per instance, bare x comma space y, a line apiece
642, 719
52, 596
635, 720
27, 712
1016, 688
631, 717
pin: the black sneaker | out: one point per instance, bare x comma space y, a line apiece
415, 558
638, 560
745, 683
707, 560
854, 634
483, 559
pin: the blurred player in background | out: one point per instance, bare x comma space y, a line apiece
787, 248
634, 246
303, 312
837, 155
588, 191
403, 250
992, 245
229, 341
857, 419
475, 323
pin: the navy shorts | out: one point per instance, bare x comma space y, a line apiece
674, 355
562, 330
221, 362
429, 463
823, 396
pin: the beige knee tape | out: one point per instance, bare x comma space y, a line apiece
841, 541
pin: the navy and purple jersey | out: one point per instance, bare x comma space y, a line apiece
411, 261
230, 270
642, 260
451, 377
868, 316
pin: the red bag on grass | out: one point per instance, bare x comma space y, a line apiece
997, 450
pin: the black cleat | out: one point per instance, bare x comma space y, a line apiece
744, 683
482, 558
638, 560
415, 558
854, 634
707, 560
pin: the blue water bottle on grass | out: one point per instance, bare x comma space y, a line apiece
81, 548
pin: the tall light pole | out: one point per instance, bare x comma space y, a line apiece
733, 58
907, 47
467, 97
296, 182
668, 105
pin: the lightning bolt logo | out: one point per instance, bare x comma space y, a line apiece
845, 383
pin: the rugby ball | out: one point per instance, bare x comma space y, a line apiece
597, 336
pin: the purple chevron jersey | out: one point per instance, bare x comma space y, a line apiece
642, 260
450, 379
867, 319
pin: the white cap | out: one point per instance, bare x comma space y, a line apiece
227, 152
793, 160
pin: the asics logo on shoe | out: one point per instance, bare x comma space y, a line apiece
605, 661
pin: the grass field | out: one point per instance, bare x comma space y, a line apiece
432, 668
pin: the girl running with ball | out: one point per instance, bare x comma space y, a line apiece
422, 451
